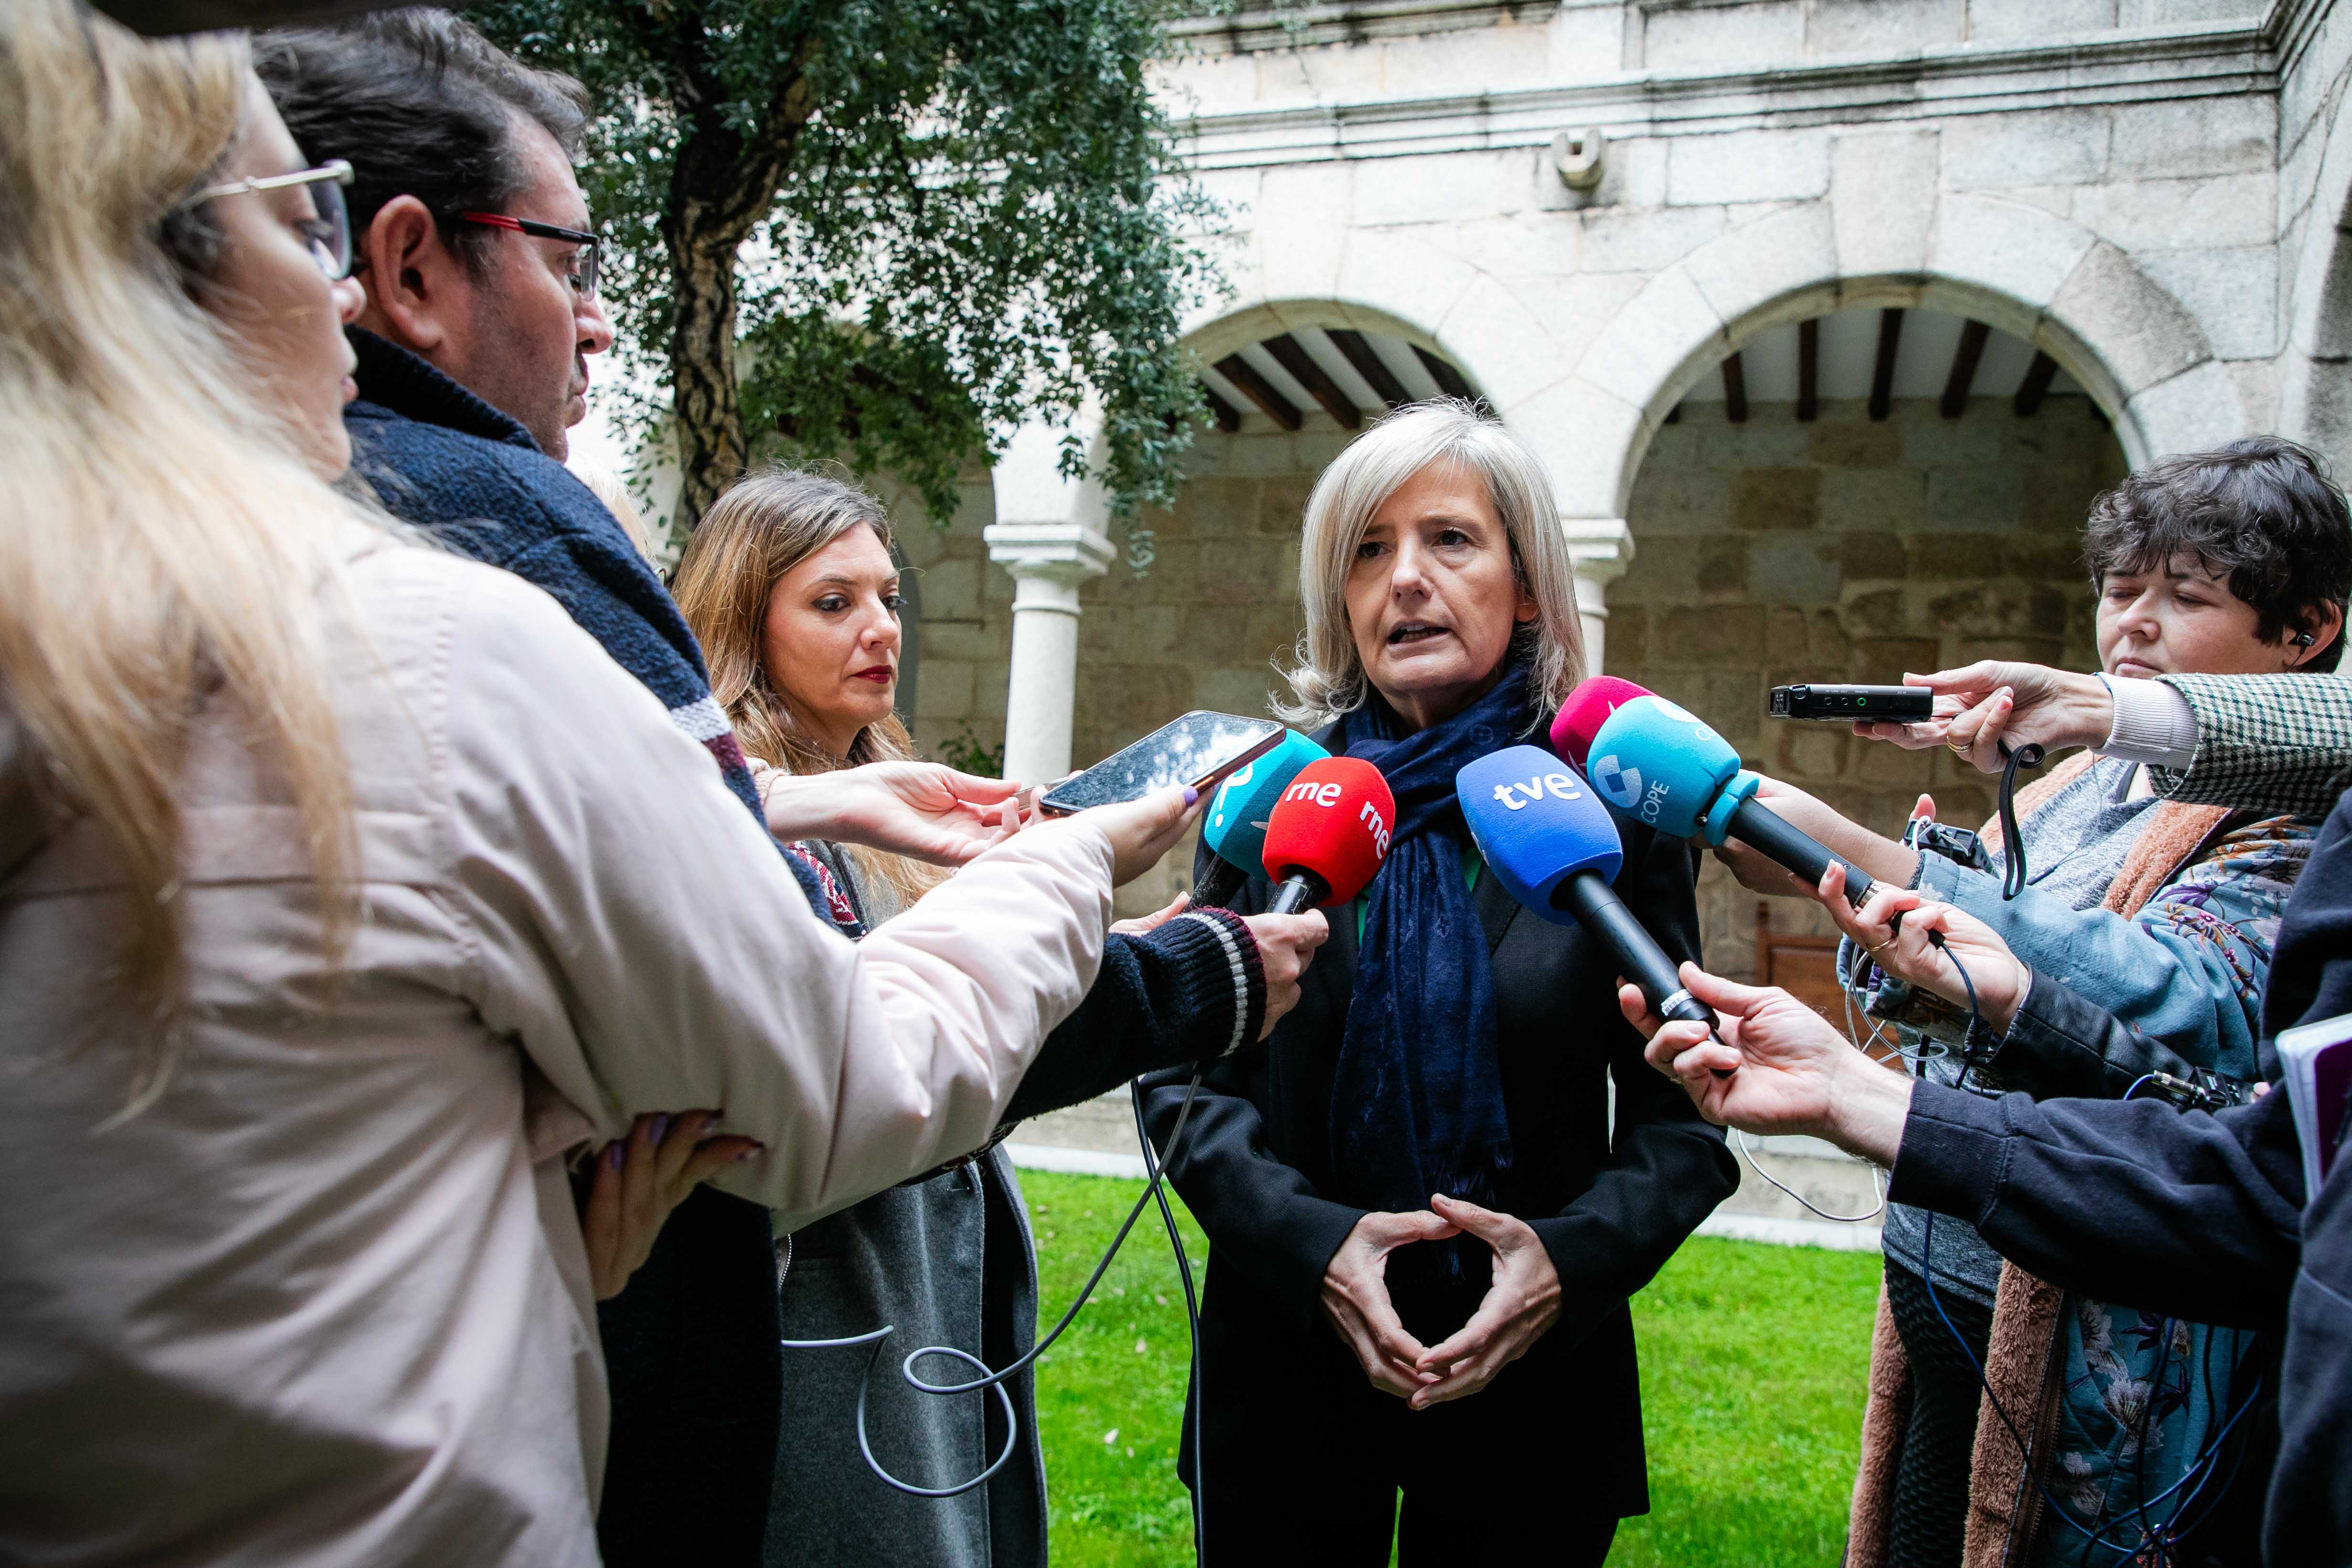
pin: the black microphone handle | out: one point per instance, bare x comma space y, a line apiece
1773, 836
1299, 890
1218, 884
1639, 957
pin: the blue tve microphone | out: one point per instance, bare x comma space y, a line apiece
1662, 766
1556, 851
1235, 825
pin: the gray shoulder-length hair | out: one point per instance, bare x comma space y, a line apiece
1327, 676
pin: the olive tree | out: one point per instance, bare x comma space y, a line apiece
890, 229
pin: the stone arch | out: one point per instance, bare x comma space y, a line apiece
2315, 403
2132, 346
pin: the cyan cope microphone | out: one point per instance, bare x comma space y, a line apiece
1235, 825
1663, 767
1556, 851
1328, 834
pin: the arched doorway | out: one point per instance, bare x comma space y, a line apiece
1849, 497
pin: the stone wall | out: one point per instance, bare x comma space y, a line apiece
1774, 551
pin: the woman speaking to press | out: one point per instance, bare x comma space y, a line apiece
1422, 1235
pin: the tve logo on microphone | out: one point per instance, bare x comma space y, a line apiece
1517, 795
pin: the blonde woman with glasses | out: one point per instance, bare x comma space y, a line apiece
345, 886
1422, 1231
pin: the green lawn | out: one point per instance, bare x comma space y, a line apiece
1752, 1365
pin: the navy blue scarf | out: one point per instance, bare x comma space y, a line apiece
1417, 1098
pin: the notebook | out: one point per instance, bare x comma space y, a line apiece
2316, 1061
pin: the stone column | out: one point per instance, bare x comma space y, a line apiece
1599, 549
1048, 560
1050, 532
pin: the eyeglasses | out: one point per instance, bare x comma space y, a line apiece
329, 232
582, 275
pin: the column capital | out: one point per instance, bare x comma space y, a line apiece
1598, 548
1062, 552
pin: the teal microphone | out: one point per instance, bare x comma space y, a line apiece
1548, 839
1233, 828
1663, 767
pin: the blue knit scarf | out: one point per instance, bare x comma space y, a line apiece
1417, 1098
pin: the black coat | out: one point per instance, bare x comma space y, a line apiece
2200, 1216
1280, 1387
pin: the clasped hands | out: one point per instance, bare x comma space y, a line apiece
1521, 1305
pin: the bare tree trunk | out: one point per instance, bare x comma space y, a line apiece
724, 182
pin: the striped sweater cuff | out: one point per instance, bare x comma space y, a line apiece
1245, 971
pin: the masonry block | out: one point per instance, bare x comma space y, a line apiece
1880, 767
1960, 499
1868, 555
945, 690
2140, 332
1882, 661
1722, 167
2052, 147
2020, 254
2184, 138
1775, 499
1679, 39
1660, 329
2192, 411
1718, 635
1874, 498
1883, 200
2231, 294
2177, 215
950, 588
1880, 26
2037, 20
1617, 240
1796, 569
1628, 642
1854, 444
1770, 269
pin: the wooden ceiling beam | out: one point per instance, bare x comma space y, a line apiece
1258, 390
1963, 379
1809, 369
1369, 365
1228, 417
1882, 374
1735, 389
1449, 380
1292, 356
2036, 385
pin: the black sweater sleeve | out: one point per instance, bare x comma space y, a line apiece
2131, 1201
1190, 991
1667, 1167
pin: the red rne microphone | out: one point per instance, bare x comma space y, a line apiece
1587, 709
1328, 834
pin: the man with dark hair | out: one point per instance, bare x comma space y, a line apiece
471, 234
2258, 516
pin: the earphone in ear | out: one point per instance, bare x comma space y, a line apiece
2302, 639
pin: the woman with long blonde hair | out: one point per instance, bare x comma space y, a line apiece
790, 587
346, 884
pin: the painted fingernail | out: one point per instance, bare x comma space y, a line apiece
1190, 794
613, 1153
754, 1149
654, 1133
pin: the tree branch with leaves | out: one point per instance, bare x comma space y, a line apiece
889, 231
